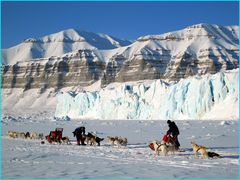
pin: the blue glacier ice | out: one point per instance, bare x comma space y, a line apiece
189, 98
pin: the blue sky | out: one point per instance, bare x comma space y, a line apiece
126, 20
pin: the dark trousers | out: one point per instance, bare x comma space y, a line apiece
80, 140
177, 142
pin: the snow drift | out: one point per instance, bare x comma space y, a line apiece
191, 98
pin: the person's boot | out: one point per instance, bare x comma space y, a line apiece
82, 143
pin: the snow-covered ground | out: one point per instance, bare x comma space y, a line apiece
23, 158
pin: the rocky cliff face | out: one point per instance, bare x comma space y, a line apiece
77, 70
198, 49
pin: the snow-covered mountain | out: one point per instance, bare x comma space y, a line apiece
195, 50
205, 97
58, 44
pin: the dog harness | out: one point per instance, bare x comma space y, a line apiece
159, 145
199, 148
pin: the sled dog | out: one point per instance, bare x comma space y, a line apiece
12, 134
65, 140
40, 136
22, 135
119, 141
27, 135
199, 149
162, 147
92, 139
111, 139
34, 135
202, 150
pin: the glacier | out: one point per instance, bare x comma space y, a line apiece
189, 98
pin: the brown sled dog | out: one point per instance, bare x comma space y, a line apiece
202, 150
199, 149
93, 139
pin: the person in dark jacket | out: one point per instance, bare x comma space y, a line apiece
80, 135
174, 132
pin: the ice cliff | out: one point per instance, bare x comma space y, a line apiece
190, 98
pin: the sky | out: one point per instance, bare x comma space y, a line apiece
124, 20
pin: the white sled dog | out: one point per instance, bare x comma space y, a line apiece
162, 147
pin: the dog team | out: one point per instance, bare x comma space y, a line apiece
90, 138
119, 141
93, 139
27, 135
169, 143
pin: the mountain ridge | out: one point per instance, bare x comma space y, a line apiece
197, 49
90, 40
59, 43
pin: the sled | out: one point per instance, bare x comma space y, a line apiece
55, 136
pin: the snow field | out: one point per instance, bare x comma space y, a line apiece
28, 158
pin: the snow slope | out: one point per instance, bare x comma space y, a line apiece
58, 44
196, 97
197, 40
30, 159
